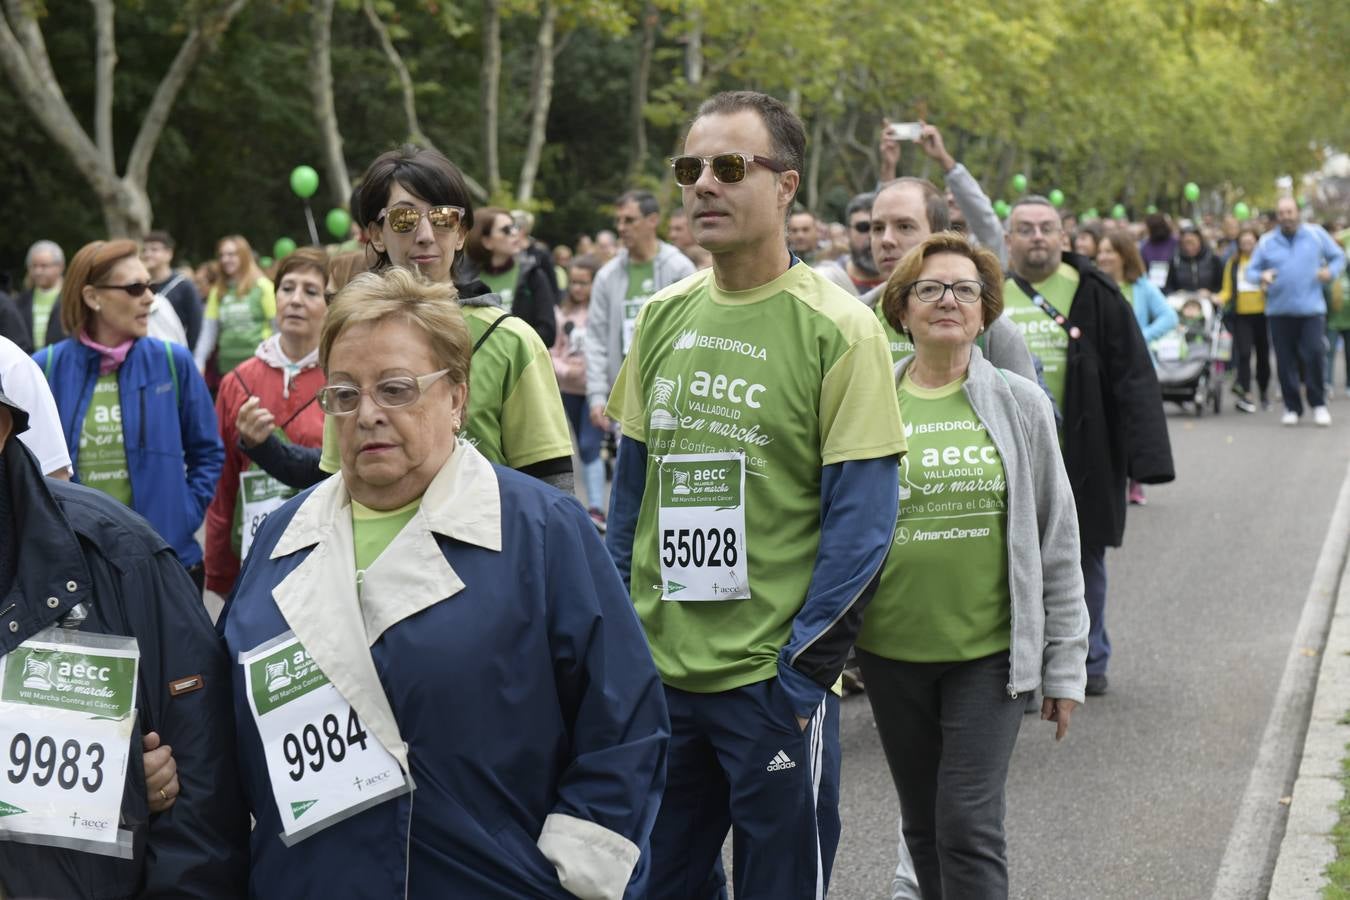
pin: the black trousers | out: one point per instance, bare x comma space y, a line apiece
1251, 333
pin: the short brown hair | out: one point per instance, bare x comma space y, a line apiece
397, 293
1131, 263
89, 266
482, 227
934, 203
315, 258
786, 132
895, 296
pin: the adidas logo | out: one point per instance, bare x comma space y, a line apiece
780, 762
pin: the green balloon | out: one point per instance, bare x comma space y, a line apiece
283, 248
1118, 211
1057, 197
1019, 183
1001, 208
1192, 191
304, 181
1302, 202
265, 262
339, 223
1151, 209
1091, 213
1242, 211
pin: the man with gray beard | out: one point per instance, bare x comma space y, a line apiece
857, 273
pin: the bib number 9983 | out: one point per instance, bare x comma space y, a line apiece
41, 761
699, 547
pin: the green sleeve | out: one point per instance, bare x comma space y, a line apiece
859, 409
331, 460
212, 310
625, 400
268, 302
533, 422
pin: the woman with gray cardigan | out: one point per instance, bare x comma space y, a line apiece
981, 598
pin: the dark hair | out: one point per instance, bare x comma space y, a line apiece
860, 203
786, 132
587, 262
158, 237
934, 203
1158, 229
423, 172
473, 246
1094, 229
1131, 263
802, 211
895, 295
646, 202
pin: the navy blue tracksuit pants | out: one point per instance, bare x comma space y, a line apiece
738, 760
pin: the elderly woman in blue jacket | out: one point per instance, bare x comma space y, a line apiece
1118, 256
981, 598
442, 689
138, 419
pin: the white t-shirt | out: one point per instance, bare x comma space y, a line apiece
23, 383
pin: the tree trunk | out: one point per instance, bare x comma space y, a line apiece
490, 86
641, 83
541, 97
325, 110
814, 151
693, 50
23, 56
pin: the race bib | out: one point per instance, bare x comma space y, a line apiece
701, 524
1168, 347
1157, 273
322, 764
259, 495
631, 308
67, 711
1244, 286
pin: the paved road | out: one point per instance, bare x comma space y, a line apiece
1204, 601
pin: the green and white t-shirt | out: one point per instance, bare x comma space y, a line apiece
502, 283
516, 416
641, 286
245, 321
901, 346
102, 457
741, 399
1045, 337
943, 595
43, 302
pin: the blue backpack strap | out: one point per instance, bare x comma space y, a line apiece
173, 370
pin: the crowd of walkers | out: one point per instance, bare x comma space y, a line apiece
895, 447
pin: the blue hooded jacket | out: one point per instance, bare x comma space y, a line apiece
168, 422
519, 681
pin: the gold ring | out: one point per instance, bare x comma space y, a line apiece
163, 796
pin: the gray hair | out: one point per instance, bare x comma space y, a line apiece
45, 247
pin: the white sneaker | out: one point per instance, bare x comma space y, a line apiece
1289, 418
1322, 416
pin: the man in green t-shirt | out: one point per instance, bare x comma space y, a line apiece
1100, 373
39, 306
753, 506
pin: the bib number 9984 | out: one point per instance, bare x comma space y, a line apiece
40, 761
311, 747
699, 547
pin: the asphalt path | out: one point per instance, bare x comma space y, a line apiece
1204, 599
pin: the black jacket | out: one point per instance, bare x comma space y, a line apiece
82, 549
1114, 427
536, 294
24, 301
1194, 273
11, 325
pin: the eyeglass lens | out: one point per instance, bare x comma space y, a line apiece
403, 219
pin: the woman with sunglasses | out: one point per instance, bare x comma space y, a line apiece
442, 689
270, 395
496, 256
241, 308
981, 597
136, 414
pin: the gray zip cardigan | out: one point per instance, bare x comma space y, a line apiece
1045, 576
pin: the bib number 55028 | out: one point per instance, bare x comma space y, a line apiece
699, 547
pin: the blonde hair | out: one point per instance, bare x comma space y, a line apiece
895, 297
399, 295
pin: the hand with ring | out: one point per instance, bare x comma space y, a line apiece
161, 773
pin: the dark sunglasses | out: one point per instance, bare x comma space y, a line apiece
403, 219
862, 227
727, 168
135, 289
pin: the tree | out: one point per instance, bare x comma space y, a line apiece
23, 55
321, 87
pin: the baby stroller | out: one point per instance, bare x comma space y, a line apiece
1191, 359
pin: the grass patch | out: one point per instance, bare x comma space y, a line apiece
1338, 873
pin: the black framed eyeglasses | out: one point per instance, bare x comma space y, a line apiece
727, 168
135, 289
391, 393
929, 290
403, 219
862, 227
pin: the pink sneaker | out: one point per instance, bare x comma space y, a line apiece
1137, 497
